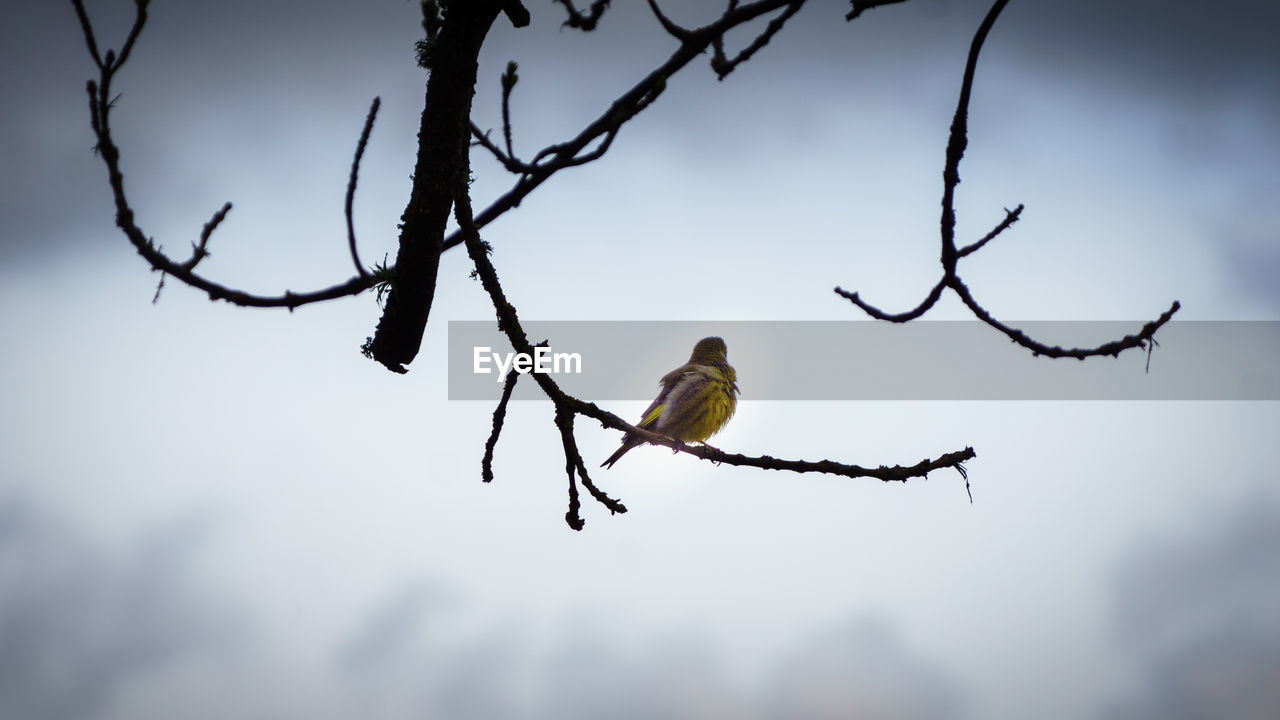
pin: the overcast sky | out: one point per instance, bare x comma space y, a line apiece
208, 511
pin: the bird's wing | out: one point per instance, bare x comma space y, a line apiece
682, 391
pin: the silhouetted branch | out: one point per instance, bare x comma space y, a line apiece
199, 251
950, 256
907, 316
672, 29
723, 66
1010, 217
1113, 348
499, 416
860, 5
567, 406
443, 129
585, 22
351, 184
605, 127
577, 469
100, 105
516, 13
509, 80
512, 165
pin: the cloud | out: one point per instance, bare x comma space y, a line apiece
582, 669
1199, 614
78, 623
861, 670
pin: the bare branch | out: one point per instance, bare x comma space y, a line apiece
516, 13
351, 184
499, 417
567, 406
100, 107
950, 256
1113, 348
443, 130
139, 20
672, 29
580, 21
89, 41
576, 468
959, 138
564, 422
723, 66
509, 80
907, 316
512, 165
860, 5
200, 251
604, 128
1010, 217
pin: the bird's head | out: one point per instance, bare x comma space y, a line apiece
708, 350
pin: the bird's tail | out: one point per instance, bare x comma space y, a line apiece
627, 444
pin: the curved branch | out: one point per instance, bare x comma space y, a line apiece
351, 184
722, 66
606, 126
1113, 348
672, 29
959, 139
950, 256
568, 406
100, 106
859, 6
909, 315
585, 22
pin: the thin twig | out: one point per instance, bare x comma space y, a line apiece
607, 124
859, 6
672, 29
950, 256
584, 22
921, 309
499, 417
509, 80
100, 106
723, 66
351, 184
200, 250
1010, 217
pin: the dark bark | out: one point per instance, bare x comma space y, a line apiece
442, 144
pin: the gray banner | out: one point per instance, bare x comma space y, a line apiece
862, 360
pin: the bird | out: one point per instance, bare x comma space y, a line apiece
695, 402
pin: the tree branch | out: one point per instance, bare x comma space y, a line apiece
950, 256
100, 106
580, 21
567, 406
723, 66
442, 145
860, 5
606, 126
499, 417
351, 184
1010, 217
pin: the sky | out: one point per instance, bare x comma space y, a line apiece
220, 512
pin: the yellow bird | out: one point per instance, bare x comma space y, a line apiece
696, 401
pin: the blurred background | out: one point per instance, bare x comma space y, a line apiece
209, 511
